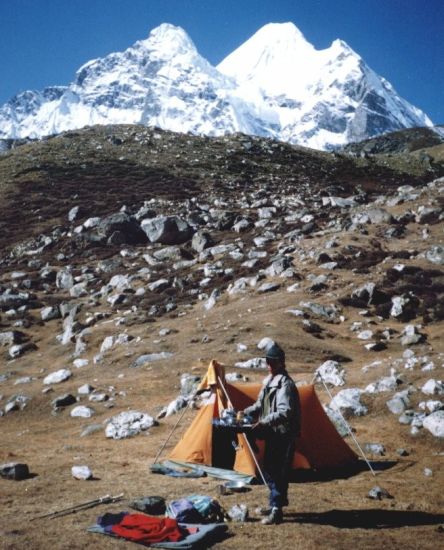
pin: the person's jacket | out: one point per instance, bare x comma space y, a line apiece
277, 406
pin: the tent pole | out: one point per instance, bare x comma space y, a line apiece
173, 430
347, 424
244, 436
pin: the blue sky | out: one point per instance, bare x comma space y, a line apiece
43, 42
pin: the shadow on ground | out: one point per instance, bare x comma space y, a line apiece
367, 519
328, 474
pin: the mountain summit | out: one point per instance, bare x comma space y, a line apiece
275, 85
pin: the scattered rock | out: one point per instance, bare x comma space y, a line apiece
255, 363
82, 412
399, 403
411, 336
378, 493
20, 349
375, 449
57, 376
16, 403
349, 402
434, 423
331, 372
238, 513
11, 337
150, 358
81, 472
49, 313
14, 470
433, 387
86, 389
435, 255
64, 400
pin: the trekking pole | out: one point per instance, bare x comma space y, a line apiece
107, 499
346, 423
244, 436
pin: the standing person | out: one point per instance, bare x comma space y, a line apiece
277, 411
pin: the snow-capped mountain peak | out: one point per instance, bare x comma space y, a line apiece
277, 58
169, 41
276, 84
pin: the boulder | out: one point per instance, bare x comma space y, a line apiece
349, 401
372, 215
433, 387
167, 230
128, 424
399, 403
111, 341
404, 307
386, 383
50, 312
64, 279
328, 313
410, 336
331, 373
123, 229
201, 240
169, 253
434, 423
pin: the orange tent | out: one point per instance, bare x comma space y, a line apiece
319, 445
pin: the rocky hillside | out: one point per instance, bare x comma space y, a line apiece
133, 256
403, 141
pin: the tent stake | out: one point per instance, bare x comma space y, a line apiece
346, 423
244, 436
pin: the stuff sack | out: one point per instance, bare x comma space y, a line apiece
183, 511
195, 509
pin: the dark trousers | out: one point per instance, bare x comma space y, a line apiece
278, 457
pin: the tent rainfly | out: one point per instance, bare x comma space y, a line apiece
318, 447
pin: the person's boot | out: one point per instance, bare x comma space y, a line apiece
274, 518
